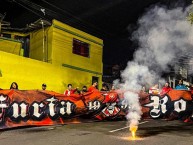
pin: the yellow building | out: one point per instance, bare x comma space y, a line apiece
56, 55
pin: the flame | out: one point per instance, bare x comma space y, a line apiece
133, 130
133, 134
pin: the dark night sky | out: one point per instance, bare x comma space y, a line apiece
106, 19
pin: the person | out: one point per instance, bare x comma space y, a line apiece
44, 86
93, 87
104, 87
143, 89
165, 89
14, 86
112, 88
70, 91
191, 88
181, 86
84, 90
143, 93
154, 89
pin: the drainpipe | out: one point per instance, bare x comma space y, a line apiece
43, 44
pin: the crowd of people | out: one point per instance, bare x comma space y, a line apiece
166, 88
14, 86
94, 87
70, 90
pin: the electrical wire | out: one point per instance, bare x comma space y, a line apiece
48, 12
51, 13
30, 10
66, 12
39, 8
75, 17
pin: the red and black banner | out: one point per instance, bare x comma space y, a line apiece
37, 108
176, 104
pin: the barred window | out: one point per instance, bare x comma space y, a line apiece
80, 48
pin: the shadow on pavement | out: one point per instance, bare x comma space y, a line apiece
177, 129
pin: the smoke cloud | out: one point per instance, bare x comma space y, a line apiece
164, 38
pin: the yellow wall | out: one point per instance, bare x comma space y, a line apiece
10, 45
62, 49
13, 34
62, 52
36, 44
30, 74
64, 67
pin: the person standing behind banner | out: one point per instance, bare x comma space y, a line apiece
165, 89
112, 88
154, 89
84, 90
70, 91
143, 89
191, 88
44, 86
93, 87
181, 86
104, 87
14, 86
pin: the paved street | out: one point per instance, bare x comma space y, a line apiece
151, 132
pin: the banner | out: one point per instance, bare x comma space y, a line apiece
37, 108
176, 104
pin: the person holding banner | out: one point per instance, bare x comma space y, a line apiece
84, 90
143, 89
181, 86
93, 87
70, 91
14, 86
154, 90
104, 87
165, 89
44, 86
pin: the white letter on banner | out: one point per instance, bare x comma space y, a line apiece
66, 108
19, 108
156, 104
163, 104
94, 105
3, 105
52, 106
36, 109
180, 105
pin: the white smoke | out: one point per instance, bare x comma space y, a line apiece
164, 37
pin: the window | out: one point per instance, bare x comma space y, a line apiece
80, 48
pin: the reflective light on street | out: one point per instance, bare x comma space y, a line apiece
132, 139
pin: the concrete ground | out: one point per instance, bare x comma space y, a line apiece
150, 132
